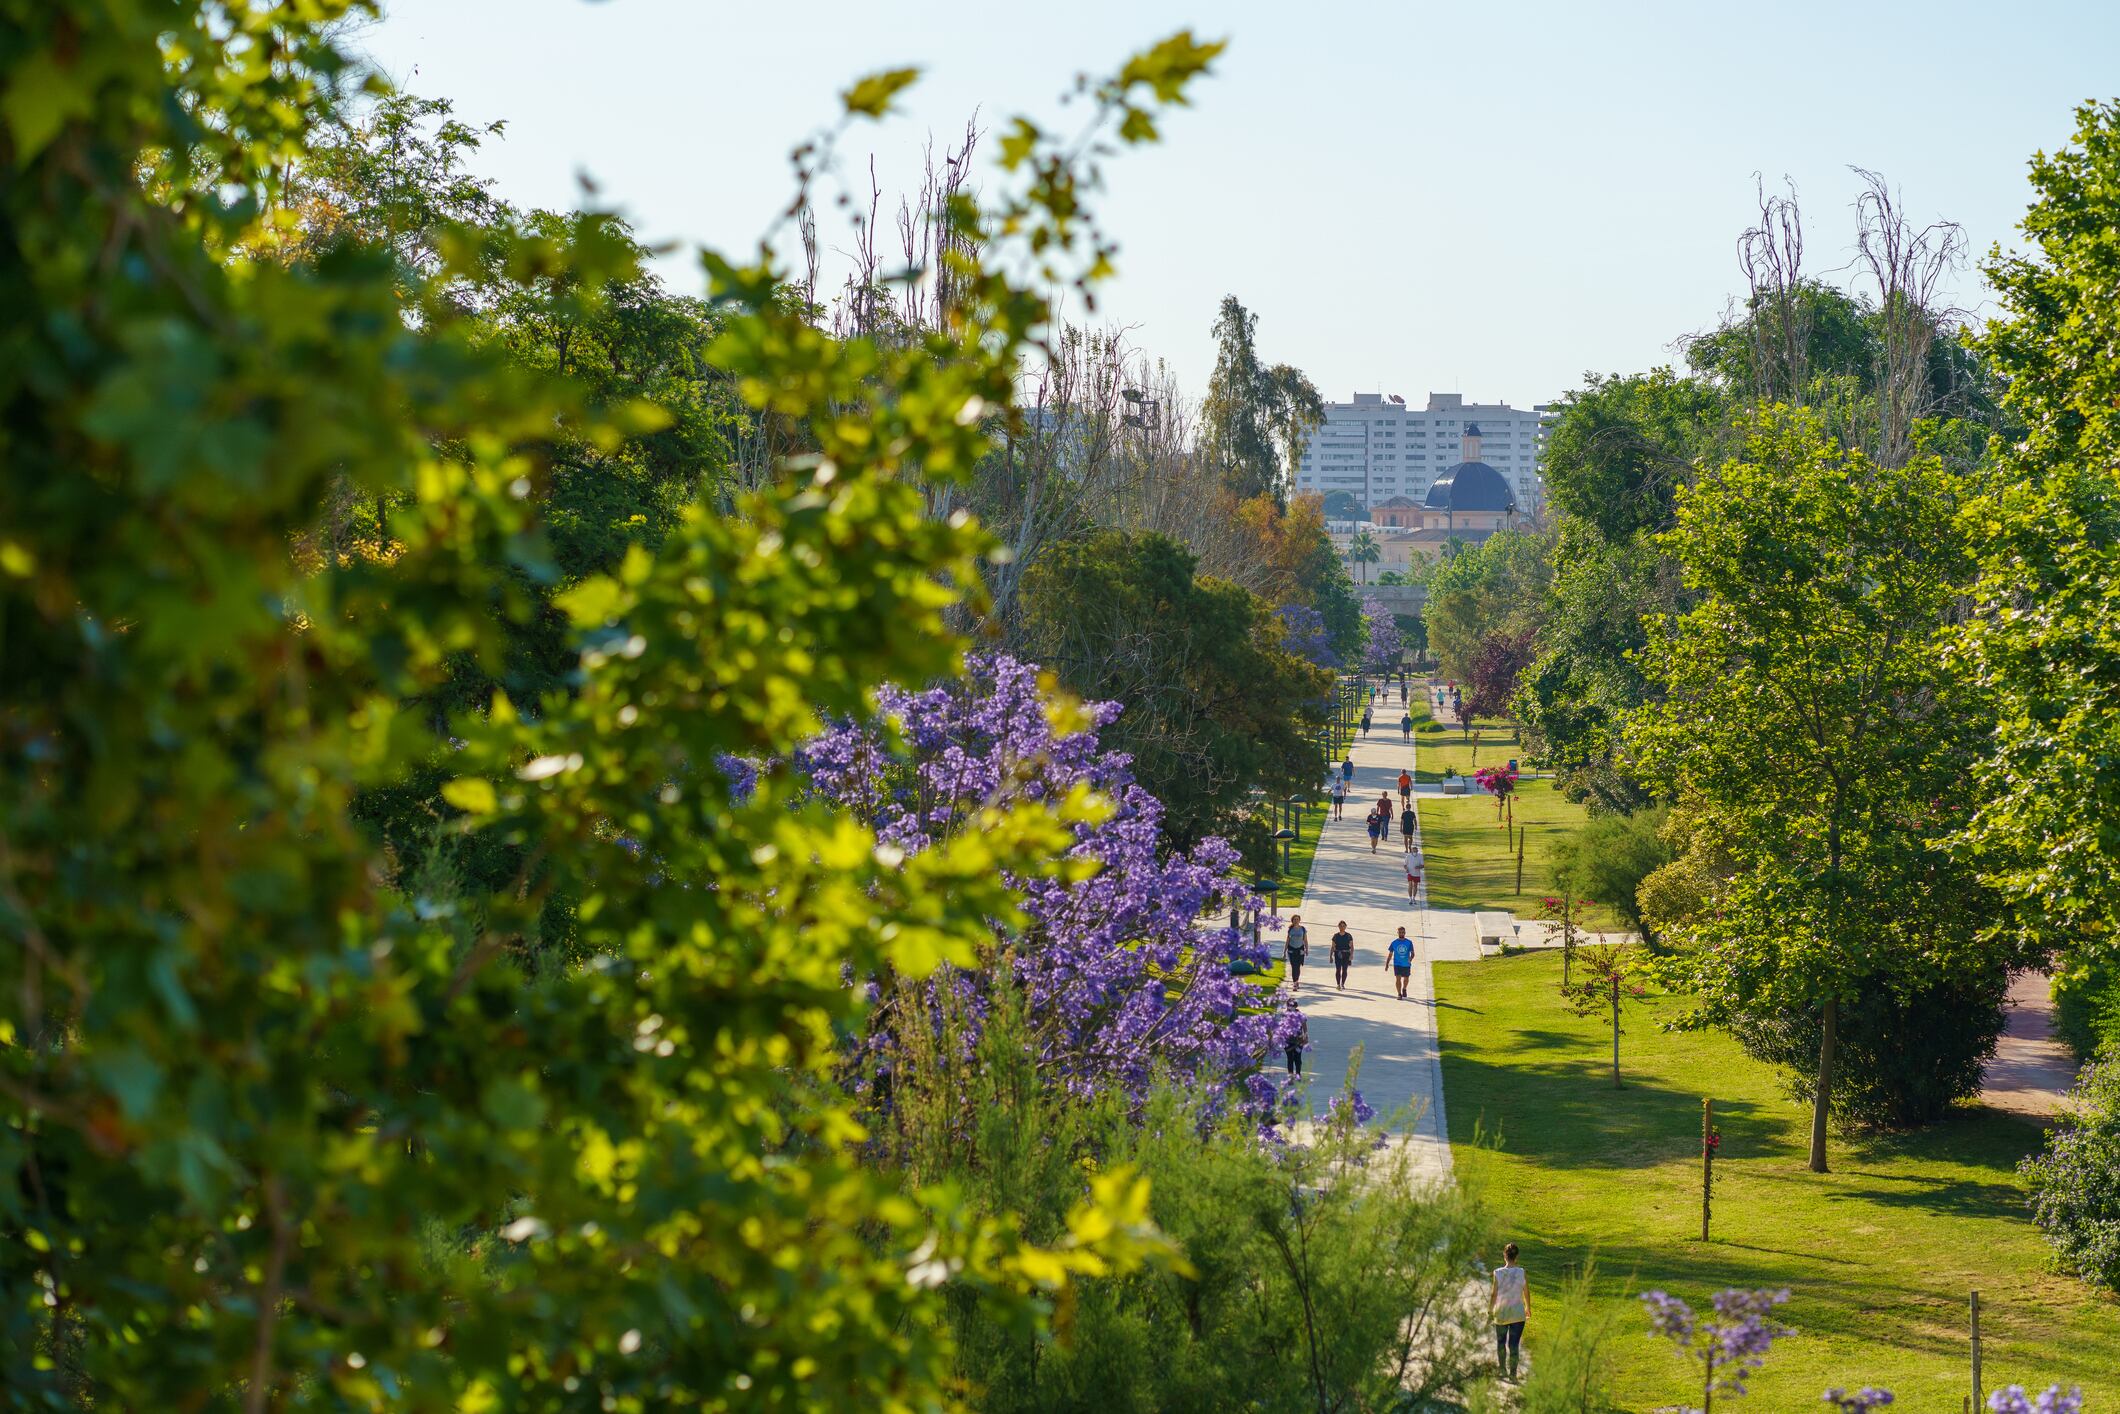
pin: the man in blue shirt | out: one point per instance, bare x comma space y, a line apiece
1400, 953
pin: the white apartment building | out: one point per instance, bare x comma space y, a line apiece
1376, 447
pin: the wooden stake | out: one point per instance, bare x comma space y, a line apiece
1707, 1162
1978, 1393
1520, 862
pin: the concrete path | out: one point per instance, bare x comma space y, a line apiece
1401, 1067
2032, 1067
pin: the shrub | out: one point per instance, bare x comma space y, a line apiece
1900, 1060
1608, 858
2087, 1004
2075, 1179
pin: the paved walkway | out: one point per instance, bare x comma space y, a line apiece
1401, 1067
2032, 1067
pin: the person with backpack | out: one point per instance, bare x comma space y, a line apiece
1398, 956
1297, 1040
1342, 955
1297, 948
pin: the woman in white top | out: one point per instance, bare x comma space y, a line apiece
1511, 1304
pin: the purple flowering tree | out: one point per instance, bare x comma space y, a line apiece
1866, 1400
1307, 637
1728, 1345
1118, 974
1386, 645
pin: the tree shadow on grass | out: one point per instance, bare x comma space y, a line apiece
1567, 1113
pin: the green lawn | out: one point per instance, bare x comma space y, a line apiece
1471, 863
1879, 1255
1441, 746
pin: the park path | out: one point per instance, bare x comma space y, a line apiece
2032, 1067
1401, 1062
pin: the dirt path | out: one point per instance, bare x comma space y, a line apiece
2032, 1068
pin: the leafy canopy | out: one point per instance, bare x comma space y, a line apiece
276, 1127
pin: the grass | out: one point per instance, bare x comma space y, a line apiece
1441, 746
1879, 1255
1471, 863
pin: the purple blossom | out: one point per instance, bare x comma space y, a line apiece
2051, 1400
1385, 643
1350, 1106
1121, 974
1730, 1344
1307, 637
1862, 1401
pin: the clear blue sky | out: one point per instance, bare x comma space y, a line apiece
1483, 197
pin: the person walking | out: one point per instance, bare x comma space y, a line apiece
1406, 727
1384, 809
1399, 958
1413, 875
1339, 798
1409, 826
1347, 768
1342, 955
1297, 948
1405, 787
1365, 721
1376, 828
1297, 1039
1510, 1305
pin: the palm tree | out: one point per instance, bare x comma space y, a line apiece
1364, 551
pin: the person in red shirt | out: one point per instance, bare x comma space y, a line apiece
1405, 787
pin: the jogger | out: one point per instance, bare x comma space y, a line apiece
1400, 954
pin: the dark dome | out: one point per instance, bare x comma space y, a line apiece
1470, 486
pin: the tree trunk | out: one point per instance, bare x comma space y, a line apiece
1615, 1033
1825, 1086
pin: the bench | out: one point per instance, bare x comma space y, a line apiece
1494, 929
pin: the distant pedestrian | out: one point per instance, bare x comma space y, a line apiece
1347, 768
1511, 1307
1409, 824
1399, 958
1413, 874
1298, 948
1339, 798
1342, 955
1406, 726
1405, 787
1376, 828
1297, 1040
1365, 721
1402, 692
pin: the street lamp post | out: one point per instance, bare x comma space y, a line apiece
1287, 839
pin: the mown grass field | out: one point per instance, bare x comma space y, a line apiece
1471, 861
1879, 1255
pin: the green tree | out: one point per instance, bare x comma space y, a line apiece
1254, 415
1362, 548
278, 1128
1807, 709
1608, 858
2050, 556
1495, 587
1215, 703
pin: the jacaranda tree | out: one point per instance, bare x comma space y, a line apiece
277, 1130
1119, 974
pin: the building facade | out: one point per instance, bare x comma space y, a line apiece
1376, 448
